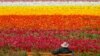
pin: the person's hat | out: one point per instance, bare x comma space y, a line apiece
64, 44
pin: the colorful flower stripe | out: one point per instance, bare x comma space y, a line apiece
48, 22
50, 10
49, 43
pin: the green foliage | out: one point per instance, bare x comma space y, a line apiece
12, 53
84, 35
61, 36
88, 54
35, 53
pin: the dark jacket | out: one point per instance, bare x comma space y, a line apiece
62, 50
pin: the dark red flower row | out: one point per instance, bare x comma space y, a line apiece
49, 43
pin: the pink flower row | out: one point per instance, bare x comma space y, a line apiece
46, 33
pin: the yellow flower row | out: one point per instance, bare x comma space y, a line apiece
50, 10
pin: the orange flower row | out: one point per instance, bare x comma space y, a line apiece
48, 22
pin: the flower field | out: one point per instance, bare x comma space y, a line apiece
46, 33
44, 28
48, 40
79, 40
50, 22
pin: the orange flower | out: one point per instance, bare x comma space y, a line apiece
48, 22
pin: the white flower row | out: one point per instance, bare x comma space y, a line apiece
48, 3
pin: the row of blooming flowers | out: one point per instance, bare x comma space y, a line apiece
48, 22
49, 43
83, 33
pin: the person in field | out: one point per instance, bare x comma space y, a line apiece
63, 49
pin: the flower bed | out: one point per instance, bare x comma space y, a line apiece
50, 39
49, 43
37, 34
48, 22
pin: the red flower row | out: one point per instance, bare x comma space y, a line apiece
49, 43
